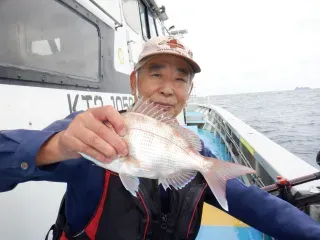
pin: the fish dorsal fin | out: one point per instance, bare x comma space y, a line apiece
191, 137
151, 109
160, 113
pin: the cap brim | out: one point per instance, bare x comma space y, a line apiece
195, 67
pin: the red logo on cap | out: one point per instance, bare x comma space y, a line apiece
173, 43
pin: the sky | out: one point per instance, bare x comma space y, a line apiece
250, 46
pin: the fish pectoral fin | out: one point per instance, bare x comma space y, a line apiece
178, 181
131, 183
96, 162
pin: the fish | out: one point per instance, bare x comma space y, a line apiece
160, 148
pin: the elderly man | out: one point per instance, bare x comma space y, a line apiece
97, 206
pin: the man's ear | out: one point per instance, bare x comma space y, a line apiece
133, 80
191, 88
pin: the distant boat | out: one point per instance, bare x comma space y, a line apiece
302, 88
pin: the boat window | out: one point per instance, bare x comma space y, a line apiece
152, 26
143, 18
159, 28
131, 14
47, 36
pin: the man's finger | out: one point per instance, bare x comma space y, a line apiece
94, 141
108, 113
109, 136
79, 146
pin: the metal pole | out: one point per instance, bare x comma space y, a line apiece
294, 182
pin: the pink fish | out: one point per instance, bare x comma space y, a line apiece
159, 148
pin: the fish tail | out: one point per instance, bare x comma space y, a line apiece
217, 175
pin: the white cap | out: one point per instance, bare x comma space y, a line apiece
166, 45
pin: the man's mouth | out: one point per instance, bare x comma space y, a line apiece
167, 105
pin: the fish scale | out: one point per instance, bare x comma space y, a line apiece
162, 161
159, 148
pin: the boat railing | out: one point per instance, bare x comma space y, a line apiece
233, 148
278, 171
249, 147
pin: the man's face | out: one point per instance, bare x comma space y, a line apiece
166, 80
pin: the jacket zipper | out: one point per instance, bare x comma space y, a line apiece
148, 217
164, 218
195, 208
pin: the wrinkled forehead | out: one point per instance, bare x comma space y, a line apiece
168, 62
163, 67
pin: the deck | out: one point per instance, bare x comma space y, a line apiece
216, 224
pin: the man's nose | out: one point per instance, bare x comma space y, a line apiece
167, 85
167, 90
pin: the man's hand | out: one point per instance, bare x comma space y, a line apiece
88, 134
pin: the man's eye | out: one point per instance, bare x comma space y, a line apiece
182, 79
156, 75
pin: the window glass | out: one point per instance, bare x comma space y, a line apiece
131, 14
159, 29
47, 36
152, 26
143, 17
